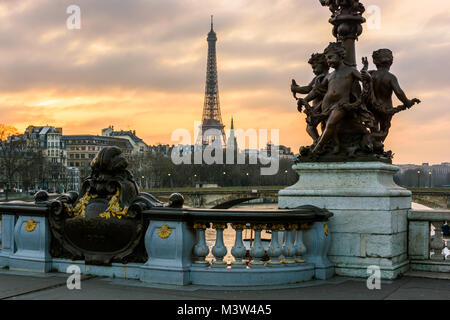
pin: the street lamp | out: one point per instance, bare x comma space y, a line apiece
430, 176
286, 176
171, 185
418, 178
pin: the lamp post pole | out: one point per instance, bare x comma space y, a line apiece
170, 178
418, 178
430, 174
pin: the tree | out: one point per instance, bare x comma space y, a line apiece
15, 157
7, 131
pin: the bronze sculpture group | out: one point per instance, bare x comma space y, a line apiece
354, 108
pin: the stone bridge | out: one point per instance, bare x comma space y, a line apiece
224, 199
219, 199
433, 199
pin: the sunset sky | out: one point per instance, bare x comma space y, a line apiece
141, 65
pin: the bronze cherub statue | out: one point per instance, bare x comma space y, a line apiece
313, 113
379, 86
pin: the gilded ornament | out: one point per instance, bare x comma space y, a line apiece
200, 226
277, 227
238, 226
219, 226
30, 225
259, 227
164, 231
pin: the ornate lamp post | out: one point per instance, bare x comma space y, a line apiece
347, 20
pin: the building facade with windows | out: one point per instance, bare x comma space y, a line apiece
139, 146
81, 149
48, 139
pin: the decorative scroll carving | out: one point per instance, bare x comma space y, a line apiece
104, 223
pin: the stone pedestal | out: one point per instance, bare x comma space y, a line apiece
369, 226
169, 246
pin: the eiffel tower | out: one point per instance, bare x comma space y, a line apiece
211, 118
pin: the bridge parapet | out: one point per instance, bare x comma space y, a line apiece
433, 199
176, 246
427, 243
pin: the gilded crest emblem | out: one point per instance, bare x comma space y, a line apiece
30, 225
164, 231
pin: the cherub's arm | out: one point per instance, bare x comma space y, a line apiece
357, 75
401, 94
317, 90
302, 89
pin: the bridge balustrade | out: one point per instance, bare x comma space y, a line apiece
427, 246
299, 242
176, 246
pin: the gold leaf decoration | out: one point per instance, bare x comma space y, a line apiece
113, 209
30, 225
325, 229
164, 231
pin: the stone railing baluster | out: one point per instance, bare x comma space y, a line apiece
219, 250
299, 246
238, 251
257, 251
201, 249
274, 250
288, 247
437, 242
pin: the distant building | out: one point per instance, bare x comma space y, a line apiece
283, 151
139, 146
81, 149
163, 149
425, 175
232, 141
73, 179
48, 139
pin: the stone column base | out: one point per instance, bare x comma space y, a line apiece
369, 226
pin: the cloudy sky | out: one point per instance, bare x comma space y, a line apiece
141, 64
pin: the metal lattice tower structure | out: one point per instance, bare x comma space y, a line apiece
211, 118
